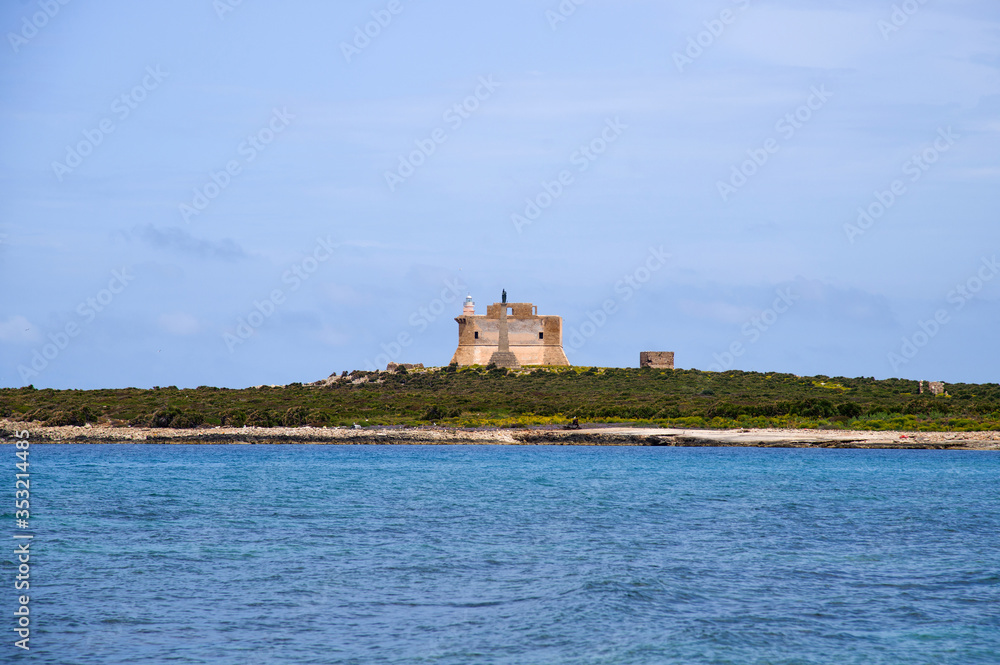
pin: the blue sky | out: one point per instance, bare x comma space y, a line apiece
220, 193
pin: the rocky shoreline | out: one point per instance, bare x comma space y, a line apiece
588, 436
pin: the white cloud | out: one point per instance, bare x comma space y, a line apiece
333, 337
179, 323
717, 311
18, 330
803, 38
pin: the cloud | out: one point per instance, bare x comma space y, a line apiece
850, 306
343, 294
815, 300
333, 336
177, 239
179, 323
18, 330
717, 311
828, 39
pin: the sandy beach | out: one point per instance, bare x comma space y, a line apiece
587, 436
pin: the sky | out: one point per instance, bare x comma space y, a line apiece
235, 193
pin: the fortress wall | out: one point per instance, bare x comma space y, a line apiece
526, 355
517, 310
522, 334
525, 332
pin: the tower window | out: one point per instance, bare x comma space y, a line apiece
541, 335
477, 334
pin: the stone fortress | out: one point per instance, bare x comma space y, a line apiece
532, 339
514, 334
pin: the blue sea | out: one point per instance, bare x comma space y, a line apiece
521, 555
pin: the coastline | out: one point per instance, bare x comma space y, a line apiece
587, 436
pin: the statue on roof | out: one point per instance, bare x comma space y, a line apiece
504, 297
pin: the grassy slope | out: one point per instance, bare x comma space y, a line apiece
476, 396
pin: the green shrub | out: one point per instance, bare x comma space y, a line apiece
433, 413
849, 410
234, 418
61, 418
187, 419
478, 395
294, 417
261, 418
317, 418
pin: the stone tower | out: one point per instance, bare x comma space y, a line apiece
530, 338
503, 357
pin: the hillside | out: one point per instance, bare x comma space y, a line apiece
471, 397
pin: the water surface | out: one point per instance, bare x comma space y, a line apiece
493, 554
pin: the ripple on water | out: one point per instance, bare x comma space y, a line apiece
363, 554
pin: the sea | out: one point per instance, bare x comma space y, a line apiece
257, 554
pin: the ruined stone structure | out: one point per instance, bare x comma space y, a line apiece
936, 387
530, 338
656, 359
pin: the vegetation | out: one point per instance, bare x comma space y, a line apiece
478, 396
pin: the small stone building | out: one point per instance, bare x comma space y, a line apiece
533, 339
936, 387
656, 359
